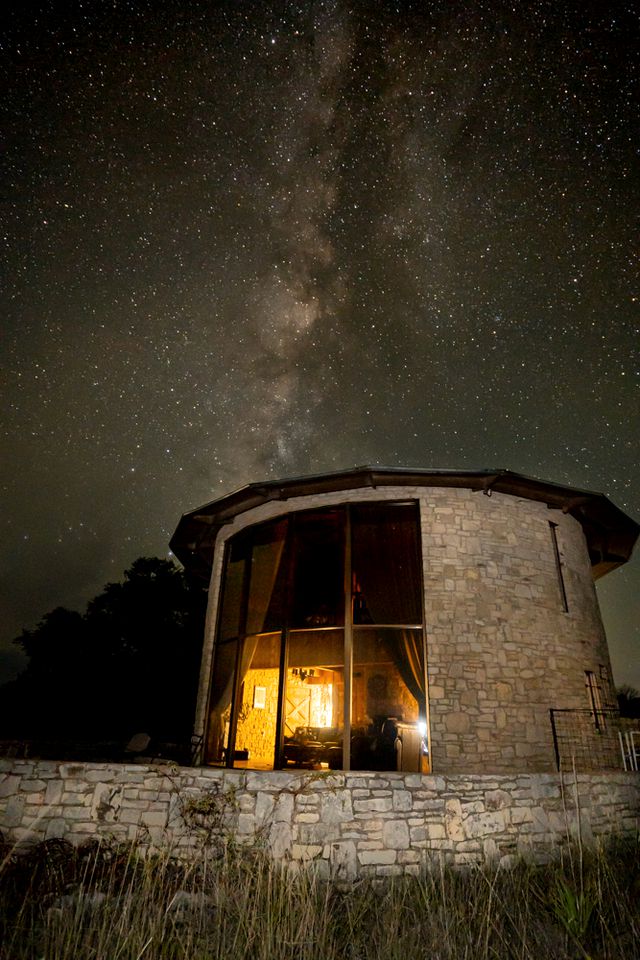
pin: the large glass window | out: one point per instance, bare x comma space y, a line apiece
319, 657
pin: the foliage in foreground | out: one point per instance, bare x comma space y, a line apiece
103, 901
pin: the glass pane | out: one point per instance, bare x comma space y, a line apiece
267, 579
388, 713
318, 588
258, 702
233, 579
314, 700
220, 701
386, 578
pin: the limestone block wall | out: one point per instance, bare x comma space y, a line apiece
345, 824
256, 728
501, 648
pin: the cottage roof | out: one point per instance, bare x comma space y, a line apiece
609, 532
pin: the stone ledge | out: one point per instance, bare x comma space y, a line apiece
357, 824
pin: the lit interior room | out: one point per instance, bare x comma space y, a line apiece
320, 631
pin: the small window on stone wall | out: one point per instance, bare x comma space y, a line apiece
559, 570
596, 702
608, 695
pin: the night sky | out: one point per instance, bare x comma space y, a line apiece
251, 240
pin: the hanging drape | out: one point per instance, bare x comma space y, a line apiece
405, 648
265, 559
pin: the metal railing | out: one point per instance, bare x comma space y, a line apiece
630, 748
586, 740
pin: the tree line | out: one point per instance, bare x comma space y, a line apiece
130, 663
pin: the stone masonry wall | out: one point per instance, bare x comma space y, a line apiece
501, 648
345, 824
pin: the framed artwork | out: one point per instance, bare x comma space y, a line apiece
259, 698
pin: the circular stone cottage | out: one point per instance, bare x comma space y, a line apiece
424, 621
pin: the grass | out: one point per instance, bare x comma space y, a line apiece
106, 902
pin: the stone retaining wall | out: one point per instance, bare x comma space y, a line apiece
347, 824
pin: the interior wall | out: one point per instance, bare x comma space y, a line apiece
256, 731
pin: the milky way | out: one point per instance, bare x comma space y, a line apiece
255, 240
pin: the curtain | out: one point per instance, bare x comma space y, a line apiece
405, 648
265, 559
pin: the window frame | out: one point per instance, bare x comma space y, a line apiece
562, 586
347, 628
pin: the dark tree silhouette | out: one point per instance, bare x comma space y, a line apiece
129, 664
628, 701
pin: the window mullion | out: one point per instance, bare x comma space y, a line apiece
348, 644
289, 559
237, 679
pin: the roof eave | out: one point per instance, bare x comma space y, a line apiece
610, 533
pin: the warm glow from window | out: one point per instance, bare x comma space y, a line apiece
320, 650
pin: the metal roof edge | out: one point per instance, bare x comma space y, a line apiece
604, 523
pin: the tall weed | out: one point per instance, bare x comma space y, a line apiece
107, 902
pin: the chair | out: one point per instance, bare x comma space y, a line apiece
135, 749
630, 749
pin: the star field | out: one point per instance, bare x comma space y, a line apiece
246, 241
